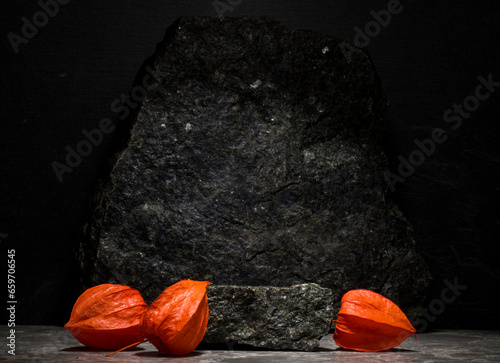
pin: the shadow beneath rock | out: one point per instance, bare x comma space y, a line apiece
231, 345
234, 345
322, 349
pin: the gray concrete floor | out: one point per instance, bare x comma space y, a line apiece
55, 344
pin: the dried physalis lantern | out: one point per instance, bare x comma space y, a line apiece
370, 322
176, 321
107, 316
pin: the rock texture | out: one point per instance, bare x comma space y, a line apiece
255, 159
280, 318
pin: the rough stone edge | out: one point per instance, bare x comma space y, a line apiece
309, 343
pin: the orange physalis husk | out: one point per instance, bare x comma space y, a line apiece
107, 316
176, 321
369, 322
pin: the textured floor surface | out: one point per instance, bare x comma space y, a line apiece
54, 344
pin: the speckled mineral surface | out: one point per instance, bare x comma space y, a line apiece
254, 160
284, 318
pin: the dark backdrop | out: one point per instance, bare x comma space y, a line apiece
429, 56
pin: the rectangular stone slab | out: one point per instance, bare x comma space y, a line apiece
278, 318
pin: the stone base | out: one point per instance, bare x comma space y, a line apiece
278, 318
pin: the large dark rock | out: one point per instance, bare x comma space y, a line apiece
284, 318
254, 160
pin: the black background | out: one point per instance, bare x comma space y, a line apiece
428, 57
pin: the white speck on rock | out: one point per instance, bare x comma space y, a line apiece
163, 125
256, 84
308, 155
188, 126
325, 50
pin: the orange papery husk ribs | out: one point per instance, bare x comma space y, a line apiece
176, 321
107, 316
370, 322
